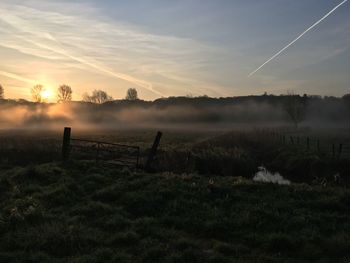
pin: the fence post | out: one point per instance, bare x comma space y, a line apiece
153, 152
66, 144
308, 143
138, 157
291, 139
333, 150
318, 146
98, 152
340, 150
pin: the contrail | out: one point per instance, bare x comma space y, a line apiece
300, 36
121, 76
17, 77
125, 77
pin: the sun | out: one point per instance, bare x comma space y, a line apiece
47, 94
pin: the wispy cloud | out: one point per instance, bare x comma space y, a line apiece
111, 48
165, 49
17, 77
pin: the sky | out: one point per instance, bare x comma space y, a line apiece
174, 48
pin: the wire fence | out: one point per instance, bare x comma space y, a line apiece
331, 147
109, 153
118, 154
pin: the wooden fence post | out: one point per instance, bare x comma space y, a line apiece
153, 152
308, 143
291, 139
66, 144
318, 146
98, 153
333, 150
138, 158
340, 150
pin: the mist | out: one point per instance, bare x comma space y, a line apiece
172, 113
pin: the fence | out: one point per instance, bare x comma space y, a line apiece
111, 153
335, 148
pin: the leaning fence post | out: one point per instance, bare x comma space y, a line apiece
66, 144
153, 152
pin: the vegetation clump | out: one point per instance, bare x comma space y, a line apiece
83, 213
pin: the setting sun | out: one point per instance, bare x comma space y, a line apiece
47, 94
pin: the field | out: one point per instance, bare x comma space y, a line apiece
199, 205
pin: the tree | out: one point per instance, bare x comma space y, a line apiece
2, 96
64, 93
346, 97
295, 107
131, 94
97, 96
346, 100
37, 91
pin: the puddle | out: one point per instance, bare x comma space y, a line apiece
267, 177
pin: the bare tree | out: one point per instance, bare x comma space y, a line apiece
97, 96
87, 98
37, 91
131, 94
2, 96
64, 93
295, 107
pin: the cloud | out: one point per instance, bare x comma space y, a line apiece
17, 77
110, 48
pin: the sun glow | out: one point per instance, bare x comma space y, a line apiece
47, 94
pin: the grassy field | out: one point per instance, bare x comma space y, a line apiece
85, 213
207, 153
199, 206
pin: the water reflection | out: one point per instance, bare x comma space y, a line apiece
266, 176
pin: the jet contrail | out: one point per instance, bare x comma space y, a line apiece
121, 76
125, 77
300, 36
17, 77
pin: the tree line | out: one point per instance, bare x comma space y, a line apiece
64, 93
296, 107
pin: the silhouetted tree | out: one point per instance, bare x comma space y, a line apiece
131, 94
97, 96
295, 107
37, 93
346, 98
2, 96
64, 93
87, 97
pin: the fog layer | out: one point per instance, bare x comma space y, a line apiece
172, 113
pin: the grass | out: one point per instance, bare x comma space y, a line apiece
223, 154
85, 213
